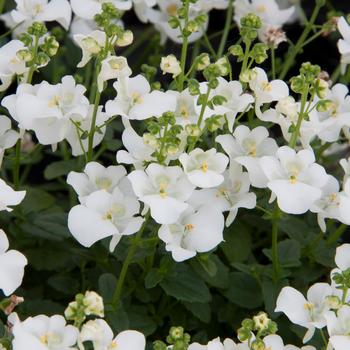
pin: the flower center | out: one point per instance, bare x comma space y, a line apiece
55, 101
184, 112
171, 10
103, 183
136, 97
189, 227
266, 86
261, 8
162, 189
204, 167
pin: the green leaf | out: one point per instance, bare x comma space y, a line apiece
65, 284
271, 291
237, 243
36, 200
289, 252
153, 278
244, 291
106, 285
60, 168
199, 310
184, 284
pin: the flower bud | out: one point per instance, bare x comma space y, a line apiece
247, 76
223, 65
37, 29
126, 38
150, 140
333, 302
193, 130
93, 304
24, 55
288, 107
71, 310
321, 88
91, 45
203, 61
176, 333
192, 26
170, 64
244, 334
258, 345
261, 321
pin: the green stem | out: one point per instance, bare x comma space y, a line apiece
226, 29
298, 46
334, 237
323, 338
275, 260
295, 134
2, 5
184, 47
119, 287
246, 55
17, 161
93, 126
273, 63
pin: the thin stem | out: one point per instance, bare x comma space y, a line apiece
93, 126
275, 260
226, 29
298, 46
295, 134
246, 55
119, 287
333, 238
323, 337
2, 5
184, 48
209, 45
273, 62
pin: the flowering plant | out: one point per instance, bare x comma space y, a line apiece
168, 182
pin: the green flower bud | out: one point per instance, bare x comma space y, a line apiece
201, 19
26, 39
176, 333
193, 87
247, 75
324, 105
258, 345
202, 61
236, 50
321, 88
333, 302
259, 53
223, 65
173, 22
297, 84
252, 21
25, 55
150, 140
193, 130
248, 323
37, 29
244, 334
218, 100
159, 345
42, 59
109, 9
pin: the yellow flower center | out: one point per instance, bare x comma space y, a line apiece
162, 190
266, 86
204, 166
189, 227
136, 97
54, 102
309, 306
171, 10
293, 179
261, 9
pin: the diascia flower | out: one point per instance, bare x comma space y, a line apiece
136, 101
104, 215
44, 333
231, 195
338, 327
12, 265
308, 313
246, 147
102, 338
9, 197
164, 190
204, 168
294, 178
195, 231
29, 11
96, 177
11, 63
344, 44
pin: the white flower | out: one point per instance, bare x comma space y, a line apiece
236, 101
12, 265
164, 189
204, 168
308, 313
29, 11
93, 304
231, 195
338, 327
44, 333
101, 336
142, 9
9, 197
10, 63
246, 147
215, 344
344, 44
294, 178
83, 123
90, 45
345, 164
265, 91
185, 111
170, 64
113, 67
94, 178
332, 204
268, 11
336, 117
195, 231
137, 152
89, 8
103, 215
8, 137
136, 101
168, 8
47, 109
342, 257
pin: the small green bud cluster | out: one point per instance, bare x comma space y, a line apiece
342, 279
259, 326
163, 136
84, 305
250, 24
257, 54
177, 338
180, 19
40, 47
